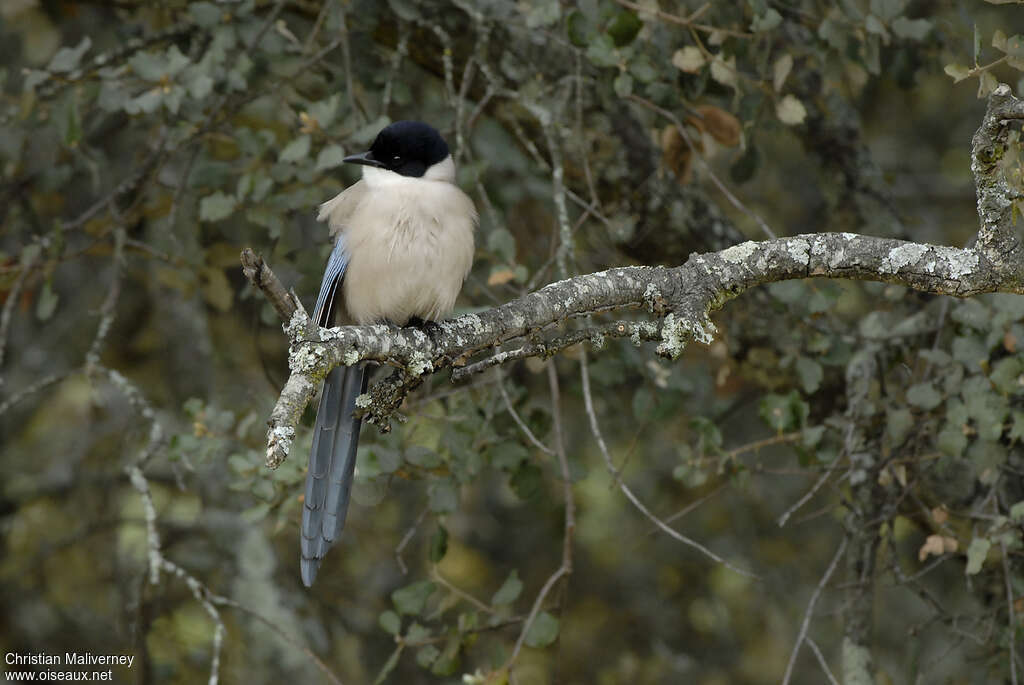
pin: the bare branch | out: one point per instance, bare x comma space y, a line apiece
810, 610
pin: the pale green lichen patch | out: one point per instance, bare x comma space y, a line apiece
419, 364
737, 254
363, 401
674, 336
902, 256
677, 331
960, 262
305, 358
350, 357
279, 444
799, 249
296, 324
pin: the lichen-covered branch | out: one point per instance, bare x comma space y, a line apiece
682, 296
996, 199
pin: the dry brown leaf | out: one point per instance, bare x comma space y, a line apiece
723, 126
1010, 342
500, 276
676, 154
937, 545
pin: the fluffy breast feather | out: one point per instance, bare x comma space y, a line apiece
411, 246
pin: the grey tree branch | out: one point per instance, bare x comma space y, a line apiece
679, 299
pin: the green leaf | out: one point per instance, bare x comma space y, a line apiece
296, 150
503, 243
330, 157
913, 29
216, 207
812, 435
643, 70
443, 496
579, 30
924, 395
986, 408
624, 28
427, 655
601, 51
46, 305
146, 103
767, 21
507, 455
874, 25
438, 544
424, 457
784, 412
976, 553
325, 111
623, 84
543, 13
509, 590
958, 71
951, 439
888, 10
898, 424
411, 599
67, 59
543, 631
148, 66
810, 374
199, 84
390, 622
1006, 375
72, 130
205, 14
417, 633
1017, 512
744, 168
1015, 46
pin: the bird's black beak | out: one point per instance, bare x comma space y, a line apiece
366, 158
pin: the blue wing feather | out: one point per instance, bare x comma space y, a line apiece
333, 275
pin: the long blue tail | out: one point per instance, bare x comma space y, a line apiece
331, 465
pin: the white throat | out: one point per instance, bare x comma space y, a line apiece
443, 172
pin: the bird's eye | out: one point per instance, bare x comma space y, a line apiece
397, 157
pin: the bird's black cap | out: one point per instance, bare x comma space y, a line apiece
408, 148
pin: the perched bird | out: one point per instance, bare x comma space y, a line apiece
403, 246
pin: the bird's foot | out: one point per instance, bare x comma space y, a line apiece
431, 328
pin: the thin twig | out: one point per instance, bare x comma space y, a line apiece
810, 493
406, 539
458, 592
519, 421
821, 660
228, 602
810, 609
595, 429
565, 568
1011, 617
28, 262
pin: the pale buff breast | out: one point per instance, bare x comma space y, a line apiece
411, 246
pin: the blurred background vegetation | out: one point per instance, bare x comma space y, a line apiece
144, 143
